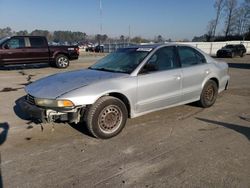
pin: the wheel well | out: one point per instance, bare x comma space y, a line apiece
216, 81
56, 55
123, 98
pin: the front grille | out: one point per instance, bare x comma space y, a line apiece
30, 99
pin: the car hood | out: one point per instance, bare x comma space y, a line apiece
56, 85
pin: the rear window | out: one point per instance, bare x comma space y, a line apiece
190, 56
37, 42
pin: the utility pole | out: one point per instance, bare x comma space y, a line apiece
100, 6
129, 34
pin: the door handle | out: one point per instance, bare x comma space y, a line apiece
178, 77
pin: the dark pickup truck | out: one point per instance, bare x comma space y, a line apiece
35, 49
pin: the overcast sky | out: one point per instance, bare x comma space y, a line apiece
175, 19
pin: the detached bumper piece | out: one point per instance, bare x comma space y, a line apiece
32, 111
42, 115
71, 117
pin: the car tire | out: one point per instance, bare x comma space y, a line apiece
209, 94
62, 61
106, 117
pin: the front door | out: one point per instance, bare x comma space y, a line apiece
159, 81
14, 51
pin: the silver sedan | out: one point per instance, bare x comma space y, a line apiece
125, 84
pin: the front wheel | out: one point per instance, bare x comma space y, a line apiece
208, 94
62, 61
106, 118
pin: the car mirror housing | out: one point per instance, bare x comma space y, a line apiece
148, 68
6, 46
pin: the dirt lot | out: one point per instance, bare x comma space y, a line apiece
185, 146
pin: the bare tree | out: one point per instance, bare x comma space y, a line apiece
210, 30
240, 21
246, 16
230, 8
218, 5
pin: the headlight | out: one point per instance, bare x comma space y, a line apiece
53, 103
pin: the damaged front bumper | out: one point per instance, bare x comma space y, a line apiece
43, 115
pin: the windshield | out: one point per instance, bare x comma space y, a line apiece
229, 46
123, 60
2, 40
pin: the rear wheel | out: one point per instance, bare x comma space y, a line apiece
242, 54
62, 61
106, 118
209, 94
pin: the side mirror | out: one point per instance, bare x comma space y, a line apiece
6, 46
148, 68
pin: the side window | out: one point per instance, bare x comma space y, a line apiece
37, 42
163, 59
189, 56
15, 43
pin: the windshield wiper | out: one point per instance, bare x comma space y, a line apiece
105, 69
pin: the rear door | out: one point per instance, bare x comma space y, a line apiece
14, 51
38, 49
159, 87
194, 70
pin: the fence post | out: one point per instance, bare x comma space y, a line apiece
211, 48
247, 47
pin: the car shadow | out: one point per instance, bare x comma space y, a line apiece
194, 104
238, 128
239, 65
4, 128
25, 66
82, 128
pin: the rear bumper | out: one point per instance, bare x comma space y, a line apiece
73, 56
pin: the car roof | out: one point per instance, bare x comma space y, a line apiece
154, 45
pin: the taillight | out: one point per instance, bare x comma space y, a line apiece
77, 50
